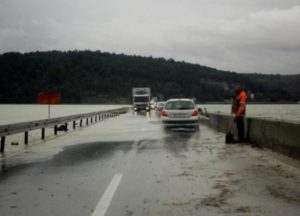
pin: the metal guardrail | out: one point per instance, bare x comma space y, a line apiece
25, 127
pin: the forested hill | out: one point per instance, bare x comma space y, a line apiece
96, 77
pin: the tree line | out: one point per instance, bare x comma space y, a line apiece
100, 77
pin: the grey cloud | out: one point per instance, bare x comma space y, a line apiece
243, 36
265, 41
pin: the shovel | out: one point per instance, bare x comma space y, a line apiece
229, 136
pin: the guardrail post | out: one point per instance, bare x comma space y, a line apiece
55, 129
61, 124
66, 127
43, 133
26, 137
2, 144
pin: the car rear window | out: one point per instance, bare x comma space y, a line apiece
160, 104
179, 105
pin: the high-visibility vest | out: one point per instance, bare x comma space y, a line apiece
240, 103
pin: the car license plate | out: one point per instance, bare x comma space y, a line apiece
179, 115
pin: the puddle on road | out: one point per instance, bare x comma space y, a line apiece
74, 155
9, 170
69, 156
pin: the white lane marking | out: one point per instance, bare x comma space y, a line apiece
108, 195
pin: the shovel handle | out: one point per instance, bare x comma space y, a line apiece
231, 117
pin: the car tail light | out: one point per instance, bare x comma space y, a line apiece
164, 113
195, 113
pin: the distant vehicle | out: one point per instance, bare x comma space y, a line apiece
153, 103
141, 99
180, 113
160, 105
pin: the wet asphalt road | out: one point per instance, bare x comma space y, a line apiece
128, 166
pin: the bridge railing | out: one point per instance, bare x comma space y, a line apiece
60, 123
278, 135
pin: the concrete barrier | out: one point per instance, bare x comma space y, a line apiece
280, 136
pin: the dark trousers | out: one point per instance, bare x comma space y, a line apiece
240, 128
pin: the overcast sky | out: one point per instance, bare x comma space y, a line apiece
239, 35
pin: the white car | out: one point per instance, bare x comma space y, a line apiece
180, 113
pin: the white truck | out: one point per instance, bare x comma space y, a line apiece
141, 98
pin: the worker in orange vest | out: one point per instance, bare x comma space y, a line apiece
240, 111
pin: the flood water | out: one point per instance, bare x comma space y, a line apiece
11, 113
287, 112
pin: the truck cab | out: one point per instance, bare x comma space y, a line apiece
141, 99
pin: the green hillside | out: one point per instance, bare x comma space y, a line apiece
97, 77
